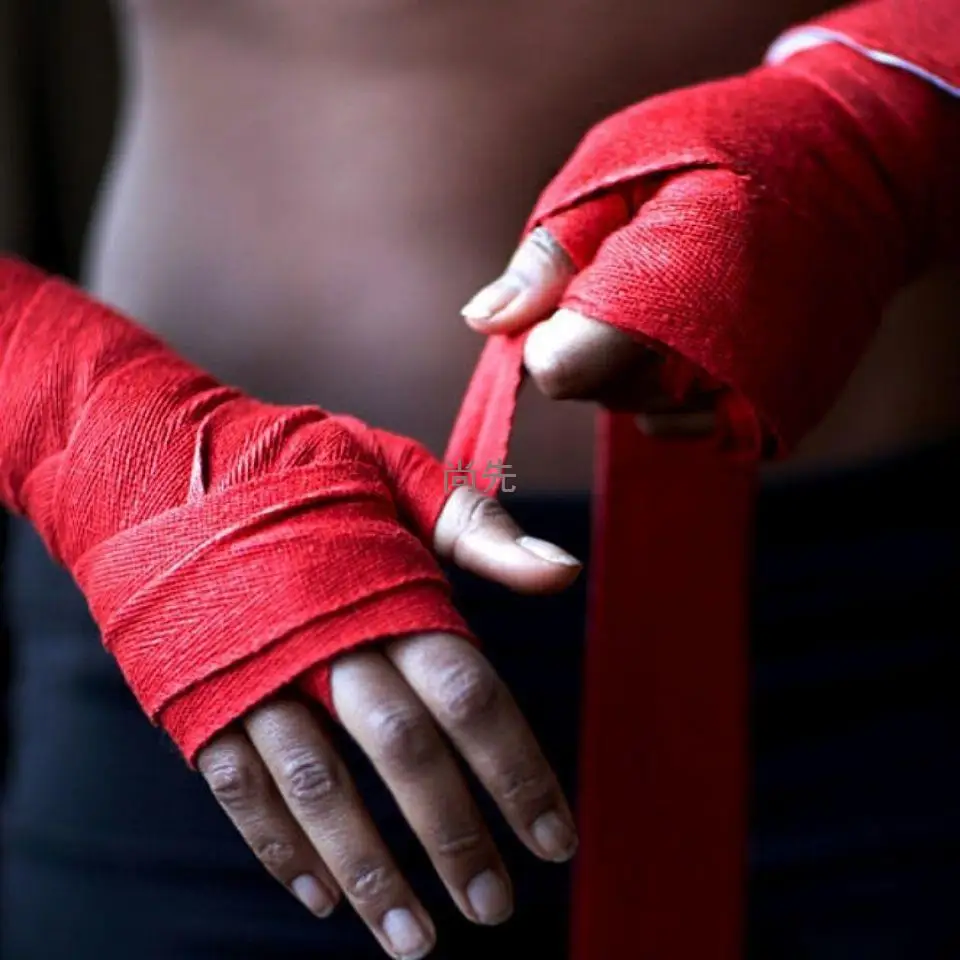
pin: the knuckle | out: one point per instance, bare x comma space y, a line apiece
483, 511
369, 883
236, 784
468, 691
523, 787
554, 371
278, 856
405, 736
555, 383
455, 845
311, 779
542, 239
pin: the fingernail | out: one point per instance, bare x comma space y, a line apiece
313, 895
556, 838
548, 551
407, 938
491, 300
489, 897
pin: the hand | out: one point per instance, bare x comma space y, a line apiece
750, 230
405, 703
572, 357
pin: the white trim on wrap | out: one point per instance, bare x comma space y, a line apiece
806, 38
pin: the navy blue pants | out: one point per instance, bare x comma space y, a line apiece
114, 851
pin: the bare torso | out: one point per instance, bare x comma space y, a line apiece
305, 192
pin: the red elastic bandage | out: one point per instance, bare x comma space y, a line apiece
226, 547
752, 229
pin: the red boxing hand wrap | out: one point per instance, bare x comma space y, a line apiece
753, 228
766, 221
750, 231
226, 547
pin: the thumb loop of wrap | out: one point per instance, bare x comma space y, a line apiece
419, 483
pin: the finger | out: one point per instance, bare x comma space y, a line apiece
475, 709
322, 797
528, 289
571, 357
477, 533
243, 787
544, 264
394, 729
661, 275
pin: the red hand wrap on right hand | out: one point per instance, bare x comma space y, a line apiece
226, 546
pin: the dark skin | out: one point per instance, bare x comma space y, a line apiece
410, 704
571, 357
302, 195
280, 779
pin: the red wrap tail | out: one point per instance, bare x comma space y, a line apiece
663, 749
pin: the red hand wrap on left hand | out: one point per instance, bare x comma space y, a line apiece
753, 228
226, 546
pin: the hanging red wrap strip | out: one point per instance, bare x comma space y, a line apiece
759, 224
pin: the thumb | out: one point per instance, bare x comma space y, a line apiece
546, 261
528, 290
477, 533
